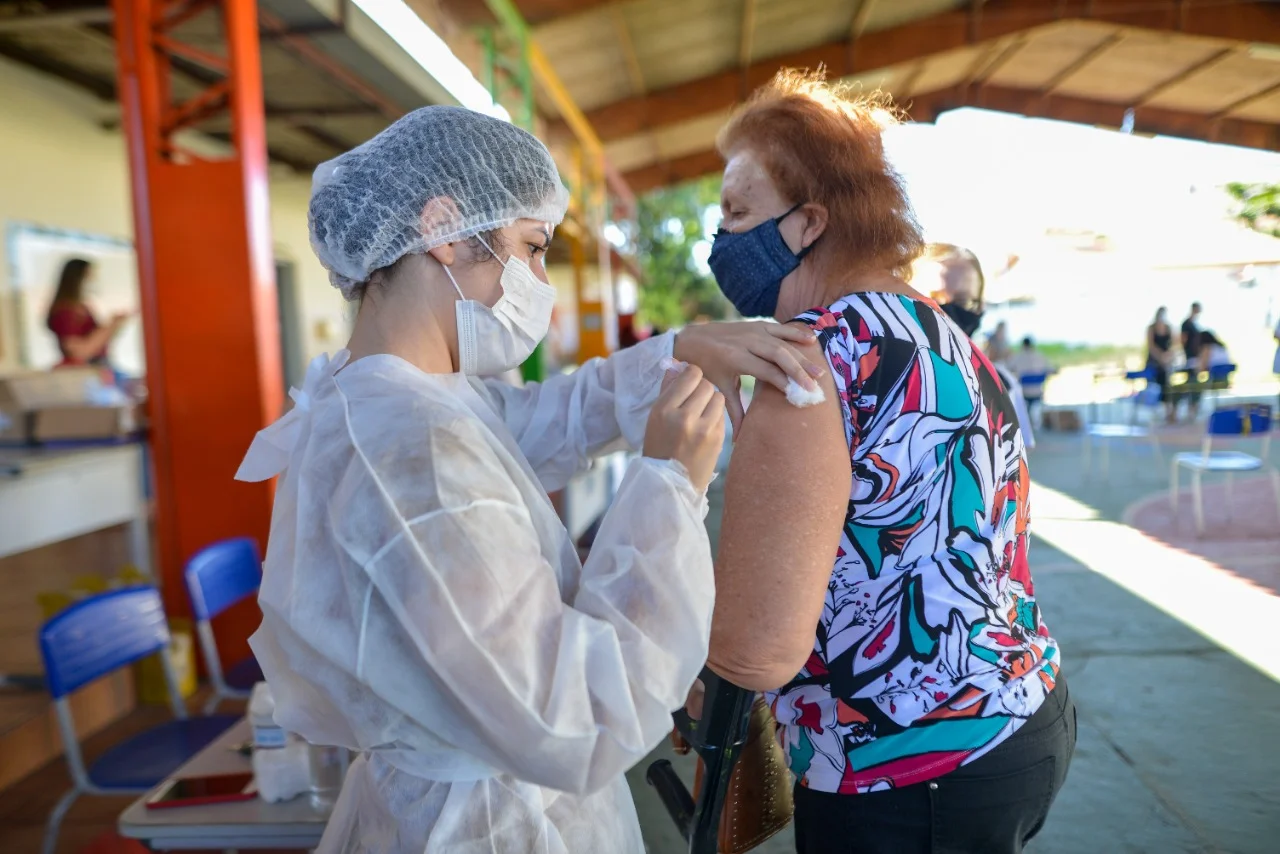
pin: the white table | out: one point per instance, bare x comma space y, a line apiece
49, 495
297, 823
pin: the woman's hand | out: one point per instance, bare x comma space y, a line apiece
728, 351
686, 424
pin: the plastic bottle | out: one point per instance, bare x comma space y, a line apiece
262, 707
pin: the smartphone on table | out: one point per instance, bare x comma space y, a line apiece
194, 791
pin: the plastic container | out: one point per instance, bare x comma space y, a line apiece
328, 769
267, 735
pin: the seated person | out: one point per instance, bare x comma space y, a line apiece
1213, 354
1025, 362
873, 577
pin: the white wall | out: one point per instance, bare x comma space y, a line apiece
60, 170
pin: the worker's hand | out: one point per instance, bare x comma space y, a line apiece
686, 424
120, 318
767, 351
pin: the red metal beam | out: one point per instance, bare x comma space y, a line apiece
1244, 22
207, 284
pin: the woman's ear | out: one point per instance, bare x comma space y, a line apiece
445, 253
815, 223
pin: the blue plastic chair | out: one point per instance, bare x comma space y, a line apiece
1033, 381
218, 577
90, 639
1235, 422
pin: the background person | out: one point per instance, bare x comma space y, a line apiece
1028, 361
1160, 358
1190, 335
80, 337
998, 349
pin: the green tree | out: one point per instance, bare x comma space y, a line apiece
674, 290
1258, 206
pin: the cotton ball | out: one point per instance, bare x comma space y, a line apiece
799, 396
669, 364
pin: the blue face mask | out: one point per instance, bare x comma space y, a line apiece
749, 266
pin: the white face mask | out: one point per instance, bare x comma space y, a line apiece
494, 340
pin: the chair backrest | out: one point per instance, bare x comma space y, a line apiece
100, 634
222, 574
1240, 420
1218, 373
1148, 374
1033, 379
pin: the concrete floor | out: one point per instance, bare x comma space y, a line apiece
1178, 747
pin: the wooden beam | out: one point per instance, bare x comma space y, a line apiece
1247, 100
674, 171
913, 77
1245, 22
861, 15
1083, 61
1029, 102
1003, 56
628, 50
103, 88
1187, 73
975, 19
748, 32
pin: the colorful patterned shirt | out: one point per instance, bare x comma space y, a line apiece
930, 650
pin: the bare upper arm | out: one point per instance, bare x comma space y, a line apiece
785, 501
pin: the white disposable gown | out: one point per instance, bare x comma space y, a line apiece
423, 604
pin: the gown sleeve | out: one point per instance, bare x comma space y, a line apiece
568, 420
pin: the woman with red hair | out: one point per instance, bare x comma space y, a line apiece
873, 578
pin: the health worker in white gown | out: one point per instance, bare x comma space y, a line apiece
422, 602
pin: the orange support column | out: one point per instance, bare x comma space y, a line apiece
206, 271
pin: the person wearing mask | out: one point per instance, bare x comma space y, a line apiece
421, 601
81, 339
873, 576
953, 278
1160, 358
998, 350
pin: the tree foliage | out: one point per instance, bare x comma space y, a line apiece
1258, 206
673, 290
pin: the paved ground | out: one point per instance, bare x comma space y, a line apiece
1178, 747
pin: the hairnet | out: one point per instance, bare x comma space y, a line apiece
374, 205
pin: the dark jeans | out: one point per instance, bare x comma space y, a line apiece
994, 805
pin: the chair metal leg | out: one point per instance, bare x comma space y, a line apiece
1198, 498
211, 704
1106, 460
1275, 485
54, 824
1231, 495
1173, 487
1088, 456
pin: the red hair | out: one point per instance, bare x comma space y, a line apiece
821, 143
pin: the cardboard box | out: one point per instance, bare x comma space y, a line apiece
1062, 420
37, 389
54, 406
81, 423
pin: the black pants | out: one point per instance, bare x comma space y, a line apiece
994, 805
